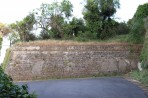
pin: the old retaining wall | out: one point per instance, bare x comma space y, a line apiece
61, 61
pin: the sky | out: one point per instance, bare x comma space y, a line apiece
14, 10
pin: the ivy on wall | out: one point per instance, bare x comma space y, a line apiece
144, 53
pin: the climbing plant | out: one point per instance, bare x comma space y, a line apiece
144, 53
137, 30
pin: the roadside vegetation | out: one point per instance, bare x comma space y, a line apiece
139, 34
9, 90
141, 76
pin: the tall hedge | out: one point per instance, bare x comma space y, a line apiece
144, 53
137, 30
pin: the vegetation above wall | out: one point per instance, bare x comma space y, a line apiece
139, 34
56, 21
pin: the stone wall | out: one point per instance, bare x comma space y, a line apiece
63, 61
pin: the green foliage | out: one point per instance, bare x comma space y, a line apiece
9, 90
141, 12
4, 29
25, 27
108, 8
6, 59
136, 24
137, 32
66, 7
92, 16
51, 18
85, 36
44, 35
144, 56
142, 76
14, 37
74, 27
144, 53
98, 16
118, 38
122, 28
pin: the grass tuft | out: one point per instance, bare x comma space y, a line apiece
141, 76
120, 39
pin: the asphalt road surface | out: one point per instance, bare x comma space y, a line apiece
86, 88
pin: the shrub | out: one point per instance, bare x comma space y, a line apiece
137, 30
10, 90
86, 36
122, 29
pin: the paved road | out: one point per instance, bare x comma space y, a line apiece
86, 88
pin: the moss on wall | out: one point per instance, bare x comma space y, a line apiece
144, 53
6, 59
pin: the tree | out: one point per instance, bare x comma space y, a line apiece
4, 30
136, 24
74, 27
98, 16
13, 37
108, 8
25, 27
92, 17
52, 17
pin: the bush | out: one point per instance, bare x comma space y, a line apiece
122, 29
86, 36
10, 90
137, 30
